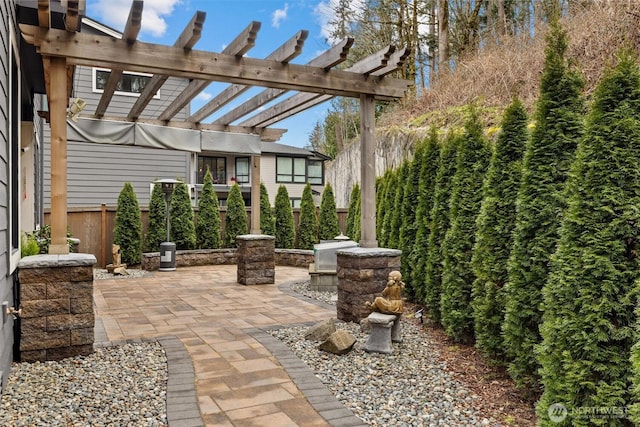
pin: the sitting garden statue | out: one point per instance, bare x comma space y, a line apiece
391, 300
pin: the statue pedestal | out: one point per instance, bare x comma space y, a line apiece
379, 340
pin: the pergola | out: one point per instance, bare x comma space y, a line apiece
315, 82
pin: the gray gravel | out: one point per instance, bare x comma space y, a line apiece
116, 386
411, 387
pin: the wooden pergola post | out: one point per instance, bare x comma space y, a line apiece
255, 195
58, 100
368, 172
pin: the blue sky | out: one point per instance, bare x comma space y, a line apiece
164, 20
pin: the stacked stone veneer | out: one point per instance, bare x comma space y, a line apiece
362, 276
56, 293
191, 258
256, 259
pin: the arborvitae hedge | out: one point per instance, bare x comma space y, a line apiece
540, 202
183, 230
128, 226
308, 221
380, 189
236, 218
385, 206
285, 230
634, 410
157, 227
495, 229
466, 196
357, 222
208, 228
351, 213
267, 221
393, 240
428, 172
329, 227
439, 224
591, 295
409, 227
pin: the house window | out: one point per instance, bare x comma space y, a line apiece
291, 169
242, 170
131, 84
296, 202
315, 172
217, 166
299, 170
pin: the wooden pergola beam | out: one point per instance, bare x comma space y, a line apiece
240, 45
302, 101
72, 18
44, 13
94, 50
187, 39
328, 59
130, 34
285, 53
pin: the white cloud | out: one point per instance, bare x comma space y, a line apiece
115, 13
279, 15
204, 96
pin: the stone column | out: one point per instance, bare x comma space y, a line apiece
256, 259
362, 276
56, 298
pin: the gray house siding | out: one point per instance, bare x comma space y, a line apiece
7, 18
97, 172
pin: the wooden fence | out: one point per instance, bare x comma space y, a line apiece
94, 227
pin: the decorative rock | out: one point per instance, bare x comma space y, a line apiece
321, 331
340, 342
120, 271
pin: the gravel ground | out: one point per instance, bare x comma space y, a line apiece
410, 387
116, 386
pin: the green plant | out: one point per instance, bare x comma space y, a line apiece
128, 226
285, 231
541, 201
182, 230
352, 212
43, 237
308, 222
494, 237
428, 172
591, 294
157, 227
466, 197
328, 227
267, 221
236, 218
393, 240
439, 224
208, 228
28, 245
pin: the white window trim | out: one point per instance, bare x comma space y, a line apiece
13, 144
94, 89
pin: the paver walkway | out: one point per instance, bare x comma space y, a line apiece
238, 380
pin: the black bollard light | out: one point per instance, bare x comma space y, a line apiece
167, 248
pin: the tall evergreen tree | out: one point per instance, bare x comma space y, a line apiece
308, 222
357, 222
267, 221
351, 213
157, 227
128, 226
439, 224
466, 196
329, 227
285, 230
387, 203
208, 228
494, 231
409, 228
236, 218
590, 297
396, 208
183, 230
428, 172
540, 202
634, 409
381, 187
